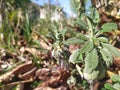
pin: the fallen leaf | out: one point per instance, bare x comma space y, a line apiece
117, 61
53, 77
20, 69
109, 73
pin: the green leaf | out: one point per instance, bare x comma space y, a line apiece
91, 61
95, 15
103, 89
81, 24
55, 32
27, 19
107, 56
87, 47
63, 32
108, 27
81, 57
91, 76
82, 36
74, 56
90, 26
103, 39
96, 41
116, 86
109, 86
102, 71
115, 78
73, 41
112, 49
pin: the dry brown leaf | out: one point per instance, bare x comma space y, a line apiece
29, 74
109, 73
73, 48
96, 85
44, 88
49, 88
33, 51
117, 61
20, 69
43, 73
44, 44
53, 77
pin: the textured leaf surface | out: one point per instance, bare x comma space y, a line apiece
95, 16
103, 39
107, 56
73, 41
109, 86
87, 47
82, 36
115, 78
81, 24
91, 76
91, 61
111, 49
74, 56
108, 27
117, 86
102, 71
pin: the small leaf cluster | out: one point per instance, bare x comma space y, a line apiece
58, 47
115, 83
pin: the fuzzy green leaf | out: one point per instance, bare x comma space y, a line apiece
74, 56
107, 56
116, 86
87, 47
102, 71
82, 36
95, 15
115, 78
108, 27
81, 57
109, 86
73, 41
103, 39
63, 32
81, 24
91, 61
91, 76
112, 49
90, 26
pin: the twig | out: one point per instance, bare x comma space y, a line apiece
20, 82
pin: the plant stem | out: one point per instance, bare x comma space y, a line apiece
91, 84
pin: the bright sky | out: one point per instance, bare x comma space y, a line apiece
63, 3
